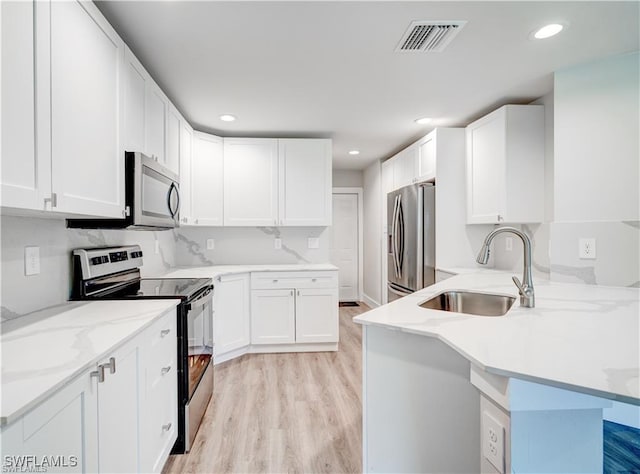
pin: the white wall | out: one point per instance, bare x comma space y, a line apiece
347, 179
597, 166
23, 294
250, 245
597, 118
372, 234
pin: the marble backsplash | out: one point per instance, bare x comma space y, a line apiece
617, 261
21, 294
251, 245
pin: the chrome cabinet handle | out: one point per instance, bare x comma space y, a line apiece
165, 370
298, 292
111, 365
291, 293
99, 374
164, 332
167, 427
275, 281
313, 280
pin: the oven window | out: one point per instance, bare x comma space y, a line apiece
155, 191
200, 337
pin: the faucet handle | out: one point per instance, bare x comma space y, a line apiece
518, 284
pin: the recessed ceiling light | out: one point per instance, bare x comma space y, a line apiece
227, 118
548, 31
354, 152
423, 121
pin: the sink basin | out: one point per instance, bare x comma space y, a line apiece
470, 302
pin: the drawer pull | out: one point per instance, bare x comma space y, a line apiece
313, 280
275, 281
166, 427
165, 370
164, 332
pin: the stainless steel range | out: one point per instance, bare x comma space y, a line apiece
114, 273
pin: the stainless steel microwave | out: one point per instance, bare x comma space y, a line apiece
152, 198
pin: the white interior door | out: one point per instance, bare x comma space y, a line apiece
344, 244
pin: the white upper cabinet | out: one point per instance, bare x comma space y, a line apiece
207, 180
86, 57
305, 182
155, 123
427, 158
186, 142
405, 167
135, 84
173, 139
250, 182
26, 172
505, 166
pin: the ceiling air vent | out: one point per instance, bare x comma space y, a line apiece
429, 36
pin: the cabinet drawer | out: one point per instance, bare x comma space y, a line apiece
162, 337
282, 280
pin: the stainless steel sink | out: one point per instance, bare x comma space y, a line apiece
470, 302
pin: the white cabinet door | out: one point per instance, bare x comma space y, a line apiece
305, 182
505, 166
66, 424
316, 315
135, 83
173, 140
232, 316
118, 413
250, 182
273, 316
26, 172
405, 167
207, 180
155, 123
186, 140
87, 58
158, 393
486, 170
427, 158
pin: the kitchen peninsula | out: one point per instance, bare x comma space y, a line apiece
434, 378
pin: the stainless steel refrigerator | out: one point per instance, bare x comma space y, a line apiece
410, 239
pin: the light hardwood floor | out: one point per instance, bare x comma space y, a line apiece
273, 413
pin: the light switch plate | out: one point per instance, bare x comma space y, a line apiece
277, 244
587, 248
211, 244
313, 243
31, 260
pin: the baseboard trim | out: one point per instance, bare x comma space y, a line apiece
370, 301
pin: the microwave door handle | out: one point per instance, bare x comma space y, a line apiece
173, 212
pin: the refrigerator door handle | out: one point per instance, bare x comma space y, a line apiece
400, 237
394, 236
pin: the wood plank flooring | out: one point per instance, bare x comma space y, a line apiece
296, 413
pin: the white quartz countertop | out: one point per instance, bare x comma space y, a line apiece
43, 351
213, 271
580, 337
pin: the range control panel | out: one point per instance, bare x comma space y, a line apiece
103, 261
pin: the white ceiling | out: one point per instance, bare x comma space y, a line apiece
329, 69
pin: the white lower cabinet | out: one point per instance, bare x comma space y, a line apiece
316, 315
106, 418
294, 307
273, 316
231, 316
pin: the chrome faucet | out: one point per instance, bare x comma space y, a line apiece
527, 295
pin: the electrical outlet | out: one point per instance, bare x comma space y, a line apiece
157, 247
211, 244
313, 243
493, 441
277, 244
31, 260
587, 248
508, 244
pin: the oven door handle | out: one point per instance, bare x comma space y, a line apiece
202, 299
